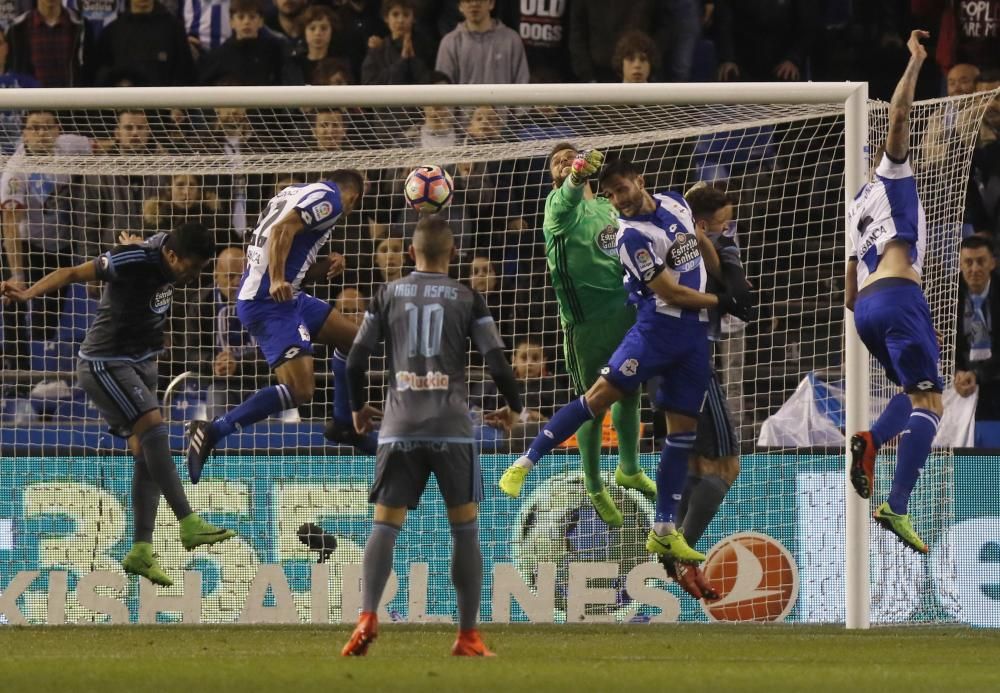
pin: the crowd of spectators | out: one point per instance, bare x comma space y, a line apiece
50, 220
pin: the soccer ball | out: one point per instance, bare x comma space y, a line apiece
428, 189
558, 524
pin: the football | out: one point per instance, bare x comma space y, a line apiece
428, 189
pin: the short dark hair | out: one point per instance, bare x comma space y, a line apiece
245, 7
619, 167
433, 237
190, 240
328, 67
706, 199
348, 177
387, 5
633, 43
975, 242
561, 147
315, 13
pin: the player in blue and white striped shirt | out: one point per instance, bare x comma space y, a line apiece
888, 233
666, 261
282, 319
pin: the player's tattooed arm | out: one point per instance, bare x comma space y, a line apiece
897, 145
282, 234
18, 293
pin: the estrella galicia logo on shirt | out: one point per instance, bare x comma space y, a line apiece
160, 303
684, 254
606, 240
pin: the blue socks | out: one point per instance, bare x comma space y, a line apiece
341, 393
914, 446
892, 420
671, 475
560, 427
257, 407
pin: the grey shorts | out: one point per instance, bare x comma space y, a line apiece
403, 468
121, 391
716, 435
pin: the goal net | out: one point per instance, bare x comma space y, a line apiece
76, 178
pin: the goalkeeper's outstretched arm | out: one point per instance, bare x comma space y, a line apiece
897, 145
571, 192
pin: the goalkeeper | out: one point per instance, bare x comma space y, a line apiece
582, 256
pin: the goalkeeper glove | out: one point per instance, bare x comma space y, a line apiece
584, 166
738, 304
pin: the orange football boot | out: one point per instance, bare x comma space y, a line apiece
363, 636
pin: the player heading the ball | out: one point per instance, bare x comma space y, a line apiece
117, 370
888, 235
426, 321
667, 260
282, 319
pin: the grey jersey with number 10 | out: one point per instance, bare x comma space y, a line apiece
426, 321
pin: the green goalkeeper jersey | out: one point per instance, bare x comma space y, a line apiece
582, 255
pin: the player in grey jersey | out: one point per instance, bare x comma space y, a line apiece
117, 370
426, 320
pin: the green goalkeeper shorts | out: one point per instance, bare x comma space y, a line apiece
589, 345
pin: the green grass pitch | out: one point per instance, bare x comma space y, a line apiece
289, 659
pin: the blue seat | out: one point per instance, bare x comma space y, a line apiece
78, 313
51, 357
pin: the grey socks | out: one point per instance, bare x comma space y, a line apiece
377, 564
705, 498
467, 572
145, 501
162, 470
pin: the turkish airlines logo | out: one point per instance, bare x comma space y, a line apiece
756, 578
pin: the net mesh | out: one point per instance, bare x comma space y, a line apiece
76, 180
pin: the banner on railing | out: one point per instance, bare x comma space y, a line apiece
776, 553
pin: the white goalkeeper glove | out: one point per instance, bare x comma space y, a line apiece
584, 166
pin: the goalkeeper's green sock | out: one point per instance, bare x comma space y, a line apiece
625, 418
588, 437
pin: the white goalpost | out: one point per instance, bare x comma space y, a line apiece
794, 155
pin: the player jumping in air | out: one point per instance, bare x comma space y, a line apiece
887, 231
426, 320
665, 259
117, 370
714, 463
282, 319
580, 230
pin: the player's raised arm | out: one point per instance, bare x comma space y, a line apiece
897, 145
282, 234
570, 170
50, 283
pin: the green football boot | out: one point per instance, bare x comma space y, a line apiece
197, 532
513, 479
639, 481
605, 506
900, 526
141, 560
673, 545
